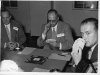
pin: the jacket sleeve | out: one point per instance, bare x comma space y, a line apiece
40, 41
21, 38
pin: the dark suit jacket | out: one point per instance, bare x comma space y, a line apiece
16, 35
66, 40
94, 56
84, 60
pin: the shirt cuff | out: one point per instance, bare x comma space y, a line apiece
5, 45
43, 36
17, 44
60, 46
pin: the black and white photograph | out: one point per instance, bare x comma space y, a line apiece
49, 36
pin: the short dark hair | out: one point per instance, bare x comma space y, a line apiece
93, 20
53, 10
5, 10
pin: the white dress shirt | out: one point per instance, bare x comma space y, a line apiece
8, 26
44, 36
90, 52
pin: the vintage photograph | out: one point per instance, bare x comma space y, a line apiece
49, 36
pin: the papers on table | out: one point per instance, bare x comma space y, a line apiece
27, 51
59, 57
40, 70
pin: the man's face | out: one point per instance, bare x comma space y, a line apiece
89, 34
5, 17
53, 19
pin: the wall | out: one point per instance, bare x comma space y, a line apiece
73, 17
38, 11
33, 14
22, 14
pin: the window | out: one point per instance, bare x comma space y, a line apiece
89, 5
10, 3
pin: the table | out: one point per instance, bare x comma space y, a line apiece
28, 67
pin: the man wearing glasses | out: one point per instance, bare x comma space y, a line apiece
55, 33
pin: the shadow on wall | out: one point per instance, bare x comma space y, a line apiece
60, 18
12, 17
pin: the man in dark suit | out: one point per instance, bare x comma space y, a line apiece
12, 34
56, 33
89, 31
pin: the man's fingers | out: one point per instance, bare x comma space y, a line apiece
80, 51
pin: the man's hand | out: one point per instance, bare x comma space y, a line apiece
11, 45
78, 44
47, 27
77, 56
77, 50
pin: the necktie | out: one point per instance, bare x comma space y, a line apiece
54, 34
89, 54
8, 33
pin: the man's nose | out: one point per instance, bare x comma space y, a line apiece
51, 22
84, 37
5, 19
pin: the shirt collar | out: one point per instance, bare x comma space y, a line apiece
7, 24
93, 47
55, 27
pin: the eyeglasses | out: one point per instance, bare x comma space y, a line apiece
52, 21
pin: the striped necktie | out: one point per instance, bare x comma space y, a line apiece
8, 33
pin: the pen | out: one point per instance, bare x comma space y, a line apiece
62, 55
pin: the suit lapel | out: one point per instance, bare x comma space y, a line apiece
95, 54
58, 28
4, 33
12, 31
49, 34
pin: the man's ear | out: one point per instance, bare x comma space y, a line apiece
58, 18
10, 16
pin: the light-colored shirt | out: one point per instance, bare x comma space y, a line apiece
55, 28
44, 36
90, 52
8, 26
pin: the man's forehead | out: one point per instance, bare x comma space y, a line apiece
52, 14
5, 14
87, 27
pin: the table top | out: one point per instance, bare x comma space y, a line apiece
28, 67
